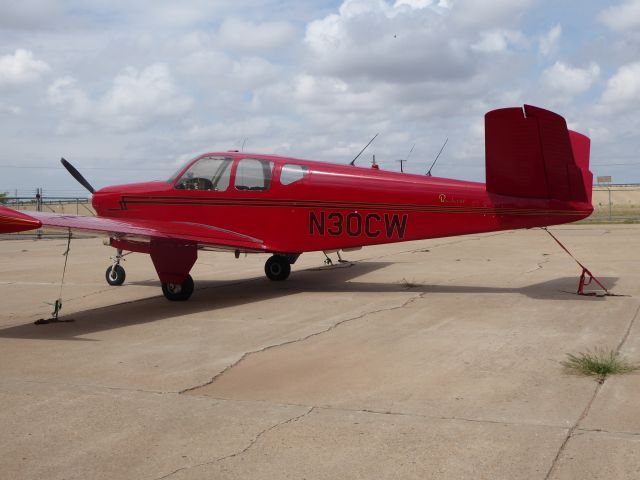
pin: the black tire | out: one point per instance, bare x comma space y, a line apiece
277, 268
115, 275
178, 292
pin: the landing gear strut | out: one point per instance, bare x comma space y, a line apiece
178, 292
277, 268
115, 274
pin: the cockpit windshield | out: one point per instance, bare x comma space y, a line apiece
208, 173
175, 174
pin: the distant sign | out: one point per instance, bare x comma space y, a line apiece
605, 179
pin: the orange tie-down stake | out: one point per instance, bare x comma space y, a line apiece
586, 277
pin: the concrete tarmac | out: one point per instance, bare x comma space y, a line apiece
437, 359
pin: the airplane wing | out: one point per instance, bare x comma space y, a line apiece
203, 234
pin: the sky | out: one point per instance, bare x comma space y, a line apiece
128, 91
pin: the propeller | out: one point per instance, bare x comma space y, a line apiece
77, 175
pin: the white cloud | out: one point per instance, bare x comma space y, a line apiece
622, 92
372, 39
64, 91
414, 3
570, 81
21, 67
230, 132
29, 14
548, 43
11, 109
151, 92
499, 41
243, 35
625, 16
134, 99
488, 14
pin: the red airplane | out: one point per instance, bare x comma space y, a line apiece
537, 174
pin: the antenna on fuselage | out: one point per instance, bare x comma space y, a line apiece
437, 157
402, 160
352, 163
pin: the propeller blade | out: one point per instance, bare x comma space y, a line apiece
77, 175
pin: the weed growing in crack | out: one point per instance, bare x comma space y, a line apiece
598, 363
407, 284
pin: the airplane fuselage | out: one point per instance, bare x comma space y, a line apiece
334, 206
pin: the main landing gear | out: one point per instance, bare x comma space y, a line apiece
178, 292
277, 268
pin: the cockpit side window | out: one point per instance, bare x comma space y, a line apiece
291, 173
253, 174
208, 173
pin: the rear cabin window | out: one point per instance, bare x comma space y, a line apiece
209, 173
291, 173
253, 174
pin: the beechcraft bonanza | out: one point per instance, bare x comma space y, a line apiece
537, 174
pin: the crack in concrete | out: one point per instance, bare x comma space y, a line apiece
395, 413
610, 432
572, 431
89, 385
302, 339
257, 437
442, 417
539, 265
628, 332
251, 443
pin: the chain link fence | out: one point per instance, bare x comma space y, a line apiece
73, 205
616, 203
70, 205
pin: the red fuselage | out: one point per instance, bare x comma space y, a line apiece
335, 206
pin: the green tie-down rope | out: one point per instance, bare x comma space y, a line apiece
57, 305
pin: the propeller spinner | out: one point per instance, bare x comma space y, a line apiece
77, 175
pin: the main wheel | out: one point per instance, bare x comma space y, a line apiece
115, 275
277, 268
178, 292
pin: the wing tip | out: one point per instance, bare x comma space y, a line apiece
12, 221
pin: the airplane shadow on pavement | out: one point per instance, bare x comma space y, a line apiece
217, 295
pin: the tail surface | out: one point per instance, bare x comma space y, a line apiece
531, 153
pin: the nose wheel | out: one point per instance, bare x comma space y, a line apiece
277, 268
115, 274
178, 292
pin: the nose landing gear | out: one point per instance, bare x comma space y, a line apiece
115, 274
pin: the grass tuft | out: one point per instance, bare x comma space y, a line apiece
407, 284
598, 363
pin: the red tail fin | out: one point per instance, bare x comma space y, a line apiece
531, 153
581, 146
